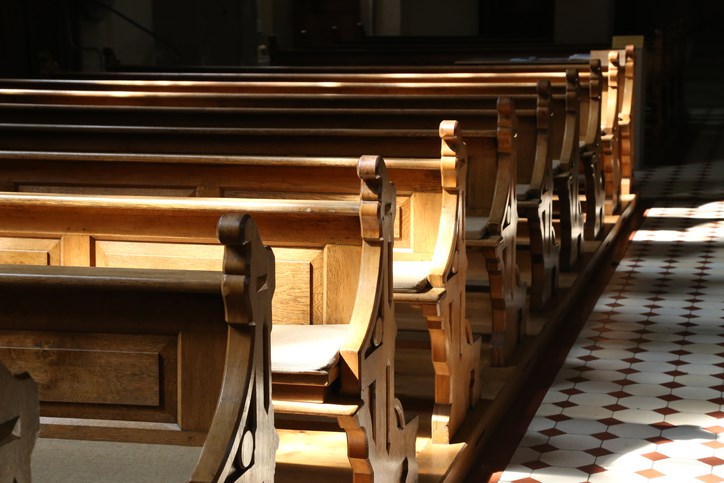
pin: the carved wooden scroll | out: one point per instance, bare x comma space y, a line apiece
610, 138
381, 442
591, 157
537, 208
565, 180
455, 352
242, 442
624, 122
19, 425
507, 291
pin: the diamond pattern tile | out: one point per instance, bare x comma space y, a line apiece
641, 397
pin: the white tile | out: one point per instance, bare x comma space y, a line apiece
621, 334
654, 356
523, 454
612, 354
548, 410
587, 412
559, 474
616, 344
657, 367
629, 445
660, 346
514, 472
581, 426
598, 387
650, 378
642, 402
699, 358
693, 419
624, 462
681, 467
608, 365
647, 390
592, 399
567, 458
702, 348
577, 442
633, 430
554, 397
685, 449
694, 406
661, 337
533, 438
538, 423
703, 393
638, 416
700, 369
698, 380
690, 433
602, 375
617, 477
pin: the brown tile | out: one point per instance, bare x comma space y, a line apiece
572, 391
715, 429
651, 473
619, 394
672, 384
710, 478
559, 417
659, 440
712, 460
615, 407
714, 444
528, 479
591, 469
544, 448
598, 452
716, 414
655, 456
564, 404
662, 425
669, 397
609, 421
536, 465
551, 432
665, 411
604, 436
675, 373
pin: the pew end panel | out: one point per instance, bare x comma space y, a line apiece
495, 238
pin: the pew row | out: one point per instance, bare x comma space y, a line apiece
19, 425
534, 171
507, 293
430, 261
334, 355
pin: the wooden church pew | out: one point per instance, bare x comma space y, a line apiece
347, 374
509, 305
430, 260
87, 336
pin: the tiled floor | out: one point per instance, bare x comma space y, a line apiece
639, 397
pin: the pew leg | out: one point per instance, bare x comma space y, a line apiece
544, 249
19, 425
612, 173
388, 455
455, 359
626, 149
571, 219
508, 300
595, 195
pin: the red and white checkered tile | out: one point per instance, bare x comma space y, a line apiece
640, 396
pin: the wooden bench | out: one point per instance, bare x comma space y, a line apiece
473, 70
332, 288
430, 262
19, 425
534, 163
329, 142
58, 326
